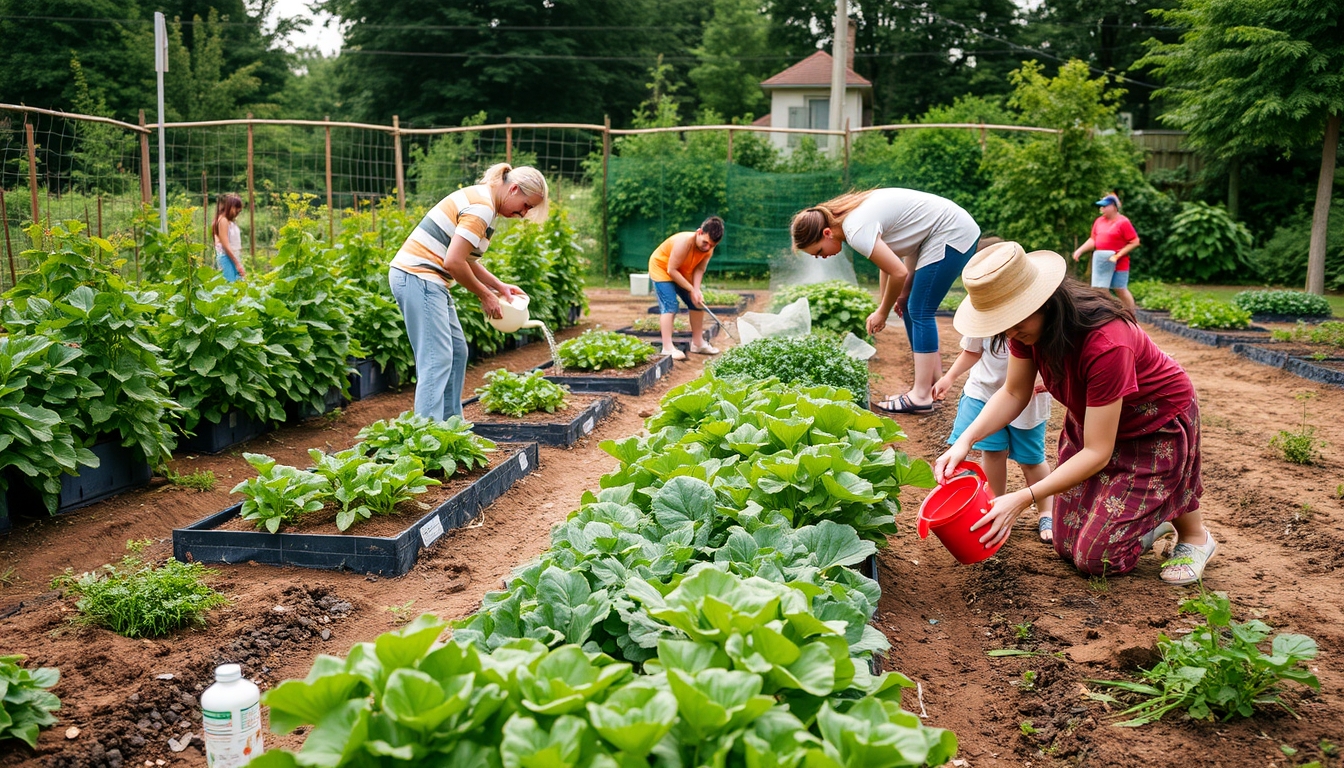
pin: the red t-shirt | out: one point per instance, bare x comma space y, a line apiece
1116, 361
1112, 236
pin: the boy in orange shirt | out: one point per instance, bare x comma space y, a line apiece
676, 269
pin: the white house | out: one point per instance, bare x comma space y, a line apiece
800, 97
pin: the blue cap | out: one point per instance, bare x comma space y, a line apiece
1109, 200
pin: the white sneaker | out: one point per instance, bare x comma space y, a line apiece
707, 349
674, 353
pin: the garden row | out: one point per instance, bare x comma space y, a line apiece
95, 370
698, 609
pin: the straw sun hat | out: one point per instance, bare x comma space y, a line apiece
1004, 286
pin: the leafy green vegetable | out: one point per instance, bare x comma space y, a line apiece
378, 329
442, 446
807, 361
715, 298
1210, 313
25, 703
835, 305
518, 394
600, 350
137, 599
1218, 670
1293, 303
1158, 296
279, 494
361, 486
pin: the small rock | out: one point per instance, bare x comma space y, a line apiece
175, 706
280, 609
160, 761
133, 697
114, 758
326, 634
154, 715
136, 740
144, 724
164, 676
177, 745
72, 732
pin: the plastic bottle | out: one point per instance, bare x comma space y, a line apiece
232, 711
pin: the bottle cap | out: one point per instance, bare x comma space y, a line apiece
227, 673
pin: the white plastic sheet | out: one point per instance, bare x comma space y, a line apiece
793, 320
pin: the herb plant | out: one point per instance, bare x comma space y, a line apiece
835, 305
1292, 303
806, 361
1302, 446
1210, 314
514, 394
1218, 670
601, 350
442, 446
138, 599
26, 704
653, 323
279, 494
1329, 333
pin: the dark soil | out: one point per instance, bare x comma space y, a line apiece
608, 373
476, 414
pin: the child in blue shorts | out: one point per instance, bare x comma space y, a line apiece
1023, 440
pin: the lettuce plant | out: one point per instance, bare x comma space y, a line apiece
279, 494
600, 350
26, 704
443, 446
361, 486
518, 394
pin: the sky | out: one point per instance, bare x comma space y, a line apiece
326, 37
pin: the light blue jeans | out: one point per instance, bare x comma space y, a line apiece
226, 265
438, 342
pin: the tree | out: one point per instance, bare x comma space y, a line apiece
1249, 74
1044, 188
197, 86
734, 57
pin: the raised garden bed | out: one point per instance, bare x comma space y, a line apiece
1325, 371
563, 428
711, 330
206, 541
119, 469
716, 309
217, 436
629, 381
370, 379
1254, 334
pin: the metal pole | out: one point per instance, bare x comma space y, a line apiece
9, 246
838, 68
205, 215
144, 162
508, 140
161, 66
251, 197
32, 171
331, 221
606, 157
401, 173
847, 134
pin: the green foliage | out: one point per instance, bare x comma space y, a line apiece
1218, 670
279, 494
1292, 303
361, 487
715, 298
442, 446
169, 256
835, 305
1300, 447
654, 323
514, 394
734, 57
138, 599
1043, 189
1330, 333
37, 377
202, 85
1158, 296
26, 705
203, 481
1283, 258
76, 296
599, 350
378, 330
1207, 244
216, 355
807, 361
568, 266
1210, 314
951, 301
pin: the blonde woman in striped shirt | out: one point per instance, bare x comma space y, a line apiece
444, 248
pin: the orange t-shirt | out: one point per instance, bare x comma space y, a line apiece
658, 261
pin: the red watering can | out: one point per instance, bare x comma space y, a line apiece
953, 507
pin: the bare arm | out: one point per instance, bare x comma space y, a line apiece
222, 235
964, 362
895, 273
1087, 245
489, 280
1131, 245
459, 266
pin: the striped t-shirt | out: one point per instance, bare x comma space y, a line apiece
467, 212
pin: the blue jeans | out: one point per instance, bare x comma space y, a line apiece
226, 265
927, 292
438, 342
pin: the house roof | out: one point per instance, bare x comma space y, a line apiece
763, 121
814, 72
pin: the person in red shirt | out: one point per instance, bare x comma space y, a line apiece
1128, 470
1113, 237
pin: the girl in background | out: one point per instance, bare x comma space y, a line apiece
228, 240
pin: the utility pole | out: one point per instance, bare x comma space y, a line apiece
161, 66
838, 58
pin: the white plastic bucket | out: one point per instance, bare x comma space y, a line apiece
640, 285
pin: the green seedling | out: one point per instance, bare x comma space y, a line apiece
203, 480
401, 614
518, 394
7, 578
138, 545
1022, 630
1028, 681
1099, 584
1026, 728
1302, 446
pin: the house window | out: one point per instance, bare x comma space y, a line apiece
816, 115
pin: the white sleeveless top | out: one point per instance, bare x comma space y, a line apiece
235, 240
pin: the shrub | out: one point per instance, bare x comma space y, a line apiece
515, 394
806, 361
26, 706
1292, 303
1210, 314
137, 599
835, 305
600, 350
1158, 296
1206, 244
1283, 259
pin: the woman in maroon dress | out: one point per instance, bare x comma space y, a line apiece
1129, 455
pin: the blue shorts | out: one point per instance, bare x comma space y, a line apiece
1025, 446
668, 291
1104, 273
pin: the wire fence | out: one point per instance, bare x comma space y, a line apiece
56, 166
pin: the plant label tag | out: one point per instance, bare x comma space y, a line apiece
431, 531
588, 425
522, 460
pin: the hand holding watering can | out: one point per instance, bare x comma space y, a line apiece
1001, 511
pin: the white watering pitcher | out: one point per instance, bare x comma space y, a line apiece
515, 315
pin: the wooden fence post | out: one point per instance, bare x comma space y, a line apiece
145, 192
331, 215
100, 214
730, 146
401, 172
32, 171
9, 247
606, 157
982, 138
508, 140
251, 197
